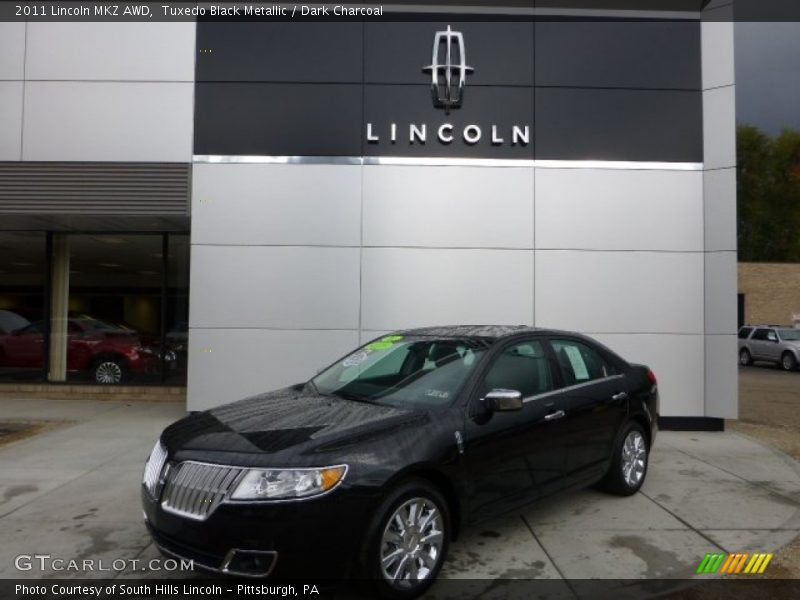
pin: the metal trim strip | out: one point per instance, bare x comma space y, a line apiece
447, 162
569, 388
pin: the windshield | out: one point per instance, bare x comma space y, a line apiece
404, 372
790, 335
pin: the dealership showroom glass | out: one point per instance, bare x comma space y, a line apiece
227, 205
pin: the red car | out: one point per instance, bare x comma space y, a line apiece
110, 353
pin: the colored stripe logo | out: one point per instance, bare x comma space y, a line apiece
738, 562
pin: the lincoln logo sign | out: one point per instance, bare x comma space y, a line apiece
446, 91
448, 71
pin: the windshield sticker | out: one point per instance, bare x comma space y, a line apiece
438, 394
385, 342
355, 359
392, 338
576, 360
379, 346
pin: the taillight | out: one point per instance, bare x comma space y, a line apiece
652, 377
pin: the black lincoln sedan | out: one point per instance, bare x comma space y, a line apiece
372, 467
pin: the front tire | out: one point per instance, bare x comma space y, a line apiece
629, 462
744, 357
407, 541
788, 361
108, 370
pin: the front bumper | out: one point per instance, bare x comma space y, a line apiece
317, 537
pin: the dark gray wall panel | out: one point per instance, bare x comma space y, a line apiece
483, 106
500, 53
636, 125
634, 54
278, 119
263, 51
637, 5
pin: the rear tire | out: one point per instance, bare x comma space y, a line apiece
788, 361
744, 357
407, 541
628, 462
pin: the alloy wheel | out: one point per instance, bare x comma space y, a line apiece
744, 358
634, 458
788, 362
412, 542
108, 372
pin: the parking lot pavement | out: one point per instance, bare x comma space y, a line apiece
73, 492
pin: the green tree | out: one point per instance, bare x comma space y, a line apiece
768, 190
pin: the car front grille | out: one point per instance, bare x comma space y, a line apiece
193, 490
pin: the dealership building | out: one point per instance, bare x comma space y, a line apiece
241, 202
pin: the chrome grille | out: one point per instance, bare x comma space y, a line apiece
194, 490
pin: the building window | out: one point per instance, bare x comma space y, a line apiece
23, 271
113, 310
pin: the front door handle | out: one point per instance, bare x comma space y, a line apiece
620, 396
554, 415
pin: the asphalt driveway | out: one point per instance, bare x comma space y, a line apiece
73, 491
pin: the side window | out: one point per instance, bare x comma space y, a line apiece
579, 363
772, 336
744, 332
523, 367
760, 334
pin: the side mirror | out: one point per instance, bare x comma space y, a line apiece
499, 400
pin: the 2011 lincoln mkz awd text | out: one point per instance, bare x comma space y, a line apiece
370, 468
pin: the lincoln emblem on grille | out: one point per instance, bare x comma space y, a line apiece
448, 77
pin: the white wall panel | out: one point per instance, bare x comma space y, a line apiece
717, 48
719, 127
677, 361
230, 364
720, 293
418, 287
722, 377
251, 204
372, 334
10, 120
12, 51
456, 207
108, 121
625, 292
720, 209
619, 209
111, 51
274, 287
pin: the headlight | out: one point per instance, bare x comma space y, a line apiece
275, 484
153, 468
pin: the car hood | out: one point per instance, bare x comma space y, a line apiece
288, 425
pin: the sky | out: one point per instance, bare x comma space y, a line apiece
768, 75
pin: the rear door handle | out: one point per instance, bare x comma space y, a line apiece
554, 416
620, 396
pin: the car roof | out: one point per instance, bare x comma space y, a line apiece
494, 332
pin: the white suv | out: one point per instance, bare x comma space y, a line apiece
770, 343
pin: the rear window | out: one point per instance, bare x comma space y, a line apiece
744, 332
